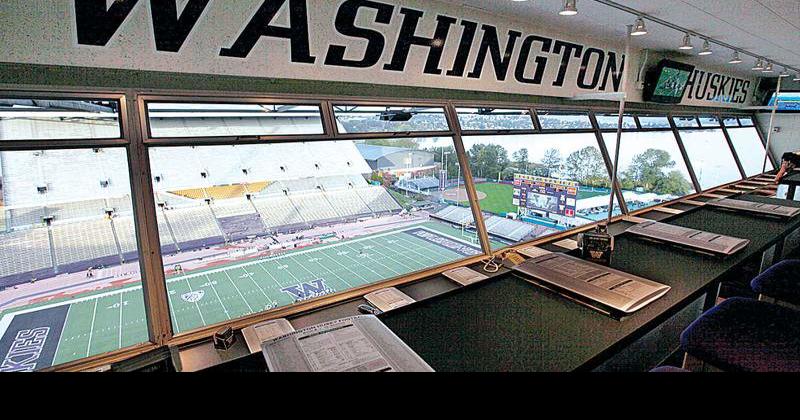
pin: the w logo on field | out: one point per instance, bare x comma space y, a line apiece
193, 297
308, 290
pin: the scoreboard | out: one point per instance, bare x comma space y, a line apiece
551, 195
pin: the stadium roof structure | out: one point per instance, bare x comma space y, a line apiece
374, 152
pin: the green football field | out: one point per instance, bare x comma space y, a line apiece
104, 321
499, 197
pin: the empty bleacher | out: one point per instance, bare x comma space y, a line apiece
278, 211
194, 226
23, 251
347, 203
378, 199
233, 207
76, 210
81, 245
300, 185
513, 230
126, 234
24, 217
454, 214
313, 207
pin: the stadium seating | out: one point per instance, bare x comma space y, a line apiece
508, 229
122, 205
314, 207
300, 185
347, 203
233, 207
85, 241
126, 235
378, 199
76, 210
194, 226
24, 217
278, 211
454, 214
24, 251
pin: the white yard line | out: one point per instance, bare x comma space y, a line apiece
121, 308
60, 336
250, 308
202, 319
91, 329
257, 285
224, 308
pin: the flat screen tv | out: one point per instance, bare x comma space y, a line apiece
666, 82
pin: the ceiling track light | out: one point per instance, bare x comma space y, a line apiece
784, 73
759, 65
796, 78
687, 43
570, 8
767, 68
639, 27
735, 58
706, 48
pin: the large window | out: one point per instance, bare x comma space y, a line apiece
180, 119
248, 228
652, 169
711, 157
389, 119
563, 120
478, 119
46, 119
749, 149
70, 285
535, 185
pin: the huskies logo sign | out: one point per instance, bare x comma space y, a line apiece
193, 297
308, 290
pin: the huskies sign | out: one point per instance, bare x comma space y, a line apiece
397, 42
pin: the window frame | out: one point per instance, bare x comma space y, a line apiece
135, 138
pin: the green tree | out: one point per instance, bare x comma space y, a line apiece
551, 161
404, 143
521, 160
673, 183
446, 154
487, 160
648, 168
587, 167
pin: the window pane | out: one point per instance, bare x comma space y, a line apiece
553, 120
248, 228
709, 121
711, 158
606, 121
746, 121
535, 185
730, 121
685, 122
494, 119
389, 119
653, 122
69, 274
652, 169
231, 120
749, 149
44, 119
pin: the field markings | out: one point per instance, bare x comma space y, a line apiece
249, 308
91, 328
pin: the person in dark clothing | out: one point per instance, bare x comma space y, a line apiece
789, 162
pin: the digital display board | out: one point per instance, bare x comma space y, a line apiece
555, 196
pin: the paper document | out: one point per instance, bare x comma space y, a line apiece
254, 335
692, 238
610, 288
388, 299
464, 276
754, 207
355, 344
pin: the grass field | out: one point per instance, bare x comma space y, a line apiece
499, 197
112, 319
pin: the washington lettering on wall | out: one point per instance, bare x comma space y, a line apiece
421, 43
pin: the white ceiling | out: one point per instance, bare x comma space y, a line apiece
768, 28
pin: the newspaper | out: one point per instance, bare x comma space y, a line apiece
388, 299
611, 288
254, 335
356, 344
464, 276
754, 207
692, 238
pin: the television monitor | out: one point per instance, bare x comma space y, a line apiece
554, 196
666, 82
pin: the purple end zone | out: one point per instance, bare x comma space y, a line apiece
459, 247
31, 340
